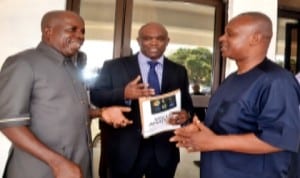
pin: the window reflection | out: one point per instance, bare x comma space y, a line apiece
99, 22
280, 45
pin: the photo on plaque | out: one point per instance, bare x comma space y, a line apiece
163, 104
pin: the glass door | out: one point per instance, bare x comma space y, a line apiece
194, 28
292, 48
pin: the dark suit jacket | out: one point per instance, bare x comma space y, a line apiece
120, 146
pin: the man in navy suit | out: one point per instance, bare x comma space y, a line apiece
124, 152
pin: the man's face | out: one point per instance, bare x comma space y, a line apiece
235, 41
67, 34
153, 40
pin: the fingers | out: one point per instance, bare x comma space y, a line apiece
142, 86
174, 119
114, 116
178, 117
184, 141
196, 119
122, 123
184, 133
125, 109
191, 149
134, 89
181, 141
199, 124
136, 80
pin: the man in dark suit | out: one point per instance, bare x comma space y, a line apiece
124, 152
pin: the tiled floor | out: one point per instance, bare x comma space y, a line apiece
186, 168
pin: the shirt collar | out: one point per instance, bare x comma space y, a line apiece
52, 53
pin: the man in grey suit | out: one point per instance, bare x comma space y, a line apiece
44, 107
124, 152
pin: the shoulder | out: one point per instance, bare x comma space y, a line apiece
21, 58
120, 60
169, 63
273, 71
175, 68
17, 67
272, 75
120, 63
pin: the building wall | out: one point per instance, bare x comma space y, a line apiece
20, 29
20, 23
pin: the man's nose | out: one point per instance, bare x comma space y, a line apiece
153, 41
80, 34
221, 38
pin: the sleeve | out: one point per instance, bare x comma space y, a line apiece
279, 121
187, 103
16, 83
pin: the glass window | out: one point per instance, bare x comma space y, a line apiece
282, 41
99, 16
191, 32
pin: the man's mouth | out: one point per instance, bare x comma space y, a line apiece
153, 50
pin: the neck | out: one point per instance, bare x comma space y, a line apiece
246, 65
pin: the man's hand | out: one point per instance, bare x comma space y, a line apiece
195, 137
63, 168
114, 116
178, 117
23, 138
134, 89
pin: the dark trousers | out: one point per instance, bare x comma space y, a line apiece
146, 165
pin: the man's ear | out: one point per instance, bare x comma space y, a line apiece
47, 32
256, 38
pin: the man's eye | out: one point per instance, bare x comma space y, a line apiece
146, 38
161, 38
71, 29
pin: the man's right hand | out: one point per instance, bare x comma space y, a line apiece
114, 116
134, 89
64, 168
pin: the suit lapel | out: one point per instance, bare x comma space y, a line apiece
132, 67
167, 72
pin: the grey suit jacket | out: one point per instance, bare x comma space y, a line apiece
38, 90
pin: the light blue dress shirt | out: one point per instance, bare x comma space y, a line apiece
144, 67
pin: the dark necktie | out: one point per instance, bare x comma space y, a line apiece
153, 78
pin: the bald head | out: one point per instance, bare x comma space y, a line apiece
153, 39
63, 30
246, 39
260, 22
155, 25
52, 17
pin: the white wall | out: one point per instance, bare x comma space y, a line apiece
20, 23
20, 29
